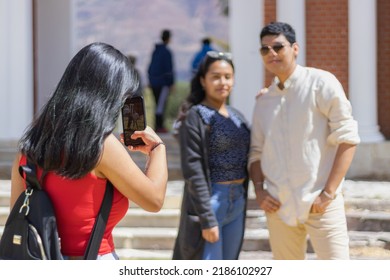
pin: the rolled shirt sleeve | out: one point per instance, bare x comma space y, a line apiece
333, 103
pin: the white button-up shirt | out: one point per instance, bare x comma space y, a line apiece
295, 134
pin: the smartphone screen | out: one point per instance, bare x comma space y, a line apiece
133, 118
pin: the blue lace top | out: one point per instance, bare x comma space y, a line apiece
229, 144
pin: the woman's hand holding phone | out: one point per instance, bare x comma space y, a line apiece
148, 136
133, 119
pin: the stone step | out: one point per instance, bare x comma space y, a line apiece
7, 154
174, 202
166, 218
8, 150
145, 235
156, 242
136, 254
169, 218
358, 195
254, 240
378, 221
368, 221
356, 253
359, 211
140, 228
5, 169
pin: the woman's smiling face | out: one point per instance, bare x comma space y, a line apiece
218, 81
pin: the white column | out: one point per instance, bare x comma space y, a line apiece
246, 20
16, 76
293, 13
55, 43
363, 68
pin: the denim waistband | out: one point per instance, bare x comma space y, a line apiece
230, 185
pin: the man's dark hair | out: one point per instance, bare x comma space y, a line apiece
279, 28
165, 35
206, 41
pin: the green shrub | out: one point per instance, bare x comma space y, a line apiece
174, 101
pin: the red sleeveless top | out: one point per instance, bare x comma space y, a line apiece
76, 204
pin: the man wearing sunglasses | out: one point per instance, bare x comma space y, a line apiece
302, 143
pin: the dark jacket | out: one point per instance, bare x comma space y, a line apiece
196, 211
199, 56
161, 70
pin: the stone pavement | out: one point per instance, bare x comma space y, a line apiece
144, 235
366, 191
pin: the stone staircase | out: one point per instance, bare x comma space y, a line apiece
7, 155
152, 235
144, 235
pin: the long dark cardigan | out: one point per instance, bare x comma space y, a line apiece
196, 211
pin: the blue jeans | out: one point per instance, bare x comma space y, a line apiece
228, 204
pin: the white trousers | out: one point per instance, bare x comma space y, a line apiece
162, 100
328, 235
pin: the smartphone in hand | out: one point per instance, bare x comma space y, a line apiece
133, 118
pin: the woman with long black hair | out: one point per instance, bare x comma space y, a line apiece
72, 141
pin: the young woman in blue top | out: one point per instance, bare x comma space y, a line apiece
214, 143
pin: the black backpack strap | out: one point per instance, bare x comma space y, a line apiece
28, 172
99, 227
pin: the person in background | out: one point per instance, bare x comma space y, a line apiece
140, 89
214, 144
72, 141
161, 76
206, 47
302, 144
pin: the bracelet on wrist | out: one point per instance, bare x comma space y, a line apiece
328, 195
156, 145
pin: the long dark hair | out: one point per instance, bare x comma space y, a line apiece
197, 92
68, 135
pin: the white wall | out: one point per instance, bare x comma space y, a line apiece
246, 21
55, 43
297, 20
363, 68
55, 47
16, 71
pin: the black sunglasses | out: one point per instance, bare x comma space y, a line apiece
264, 50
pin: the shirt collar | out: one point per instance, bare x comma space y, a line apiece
293, 77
